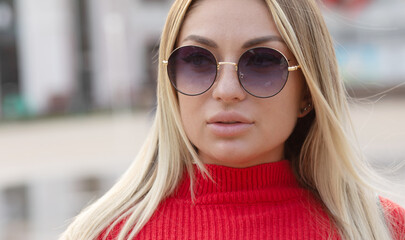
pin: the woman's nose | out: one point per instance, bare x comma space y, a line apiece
227, 86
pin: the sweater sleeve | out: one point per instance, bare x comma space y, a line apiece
395, 216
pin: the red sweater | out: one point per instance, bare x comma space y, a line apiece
260, 202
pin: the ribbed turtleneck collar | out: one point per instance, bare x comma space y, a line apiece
264, 182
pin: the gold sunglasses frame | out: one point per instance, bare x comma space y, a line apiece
290, 68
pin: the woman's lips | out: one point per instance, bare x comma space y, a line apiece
228, 129
229, 124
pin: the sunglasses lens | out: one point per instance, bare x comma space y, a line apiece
192, 70
263, 72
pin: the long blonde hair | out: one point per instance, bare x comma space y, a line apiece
320, 148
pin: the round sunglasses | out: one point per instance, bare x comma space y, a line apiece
262, 71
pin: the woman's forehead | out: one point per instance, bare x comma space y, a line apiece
229, 21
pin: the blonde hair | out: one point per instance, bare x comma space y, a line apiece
320, 148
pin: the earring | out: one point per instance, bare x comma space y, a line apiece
308, 107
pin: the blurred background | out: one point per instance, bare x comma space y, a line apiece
77, 93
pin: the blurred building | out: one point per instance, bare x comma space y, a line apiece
369, 39
61, 56
65, 56
78, 55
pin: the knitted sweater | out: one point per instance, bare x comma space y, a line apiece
260, 202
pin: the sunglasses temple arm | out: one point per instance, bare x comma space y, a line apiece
293, 68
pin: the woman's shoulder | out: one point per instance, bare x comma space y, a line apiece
395, 215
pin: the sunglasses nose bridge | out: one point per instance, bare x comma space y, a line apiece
230, 63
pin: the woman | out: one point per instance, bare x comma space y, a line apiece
251, 137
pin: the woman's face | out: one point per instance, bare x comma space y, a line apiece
227, 125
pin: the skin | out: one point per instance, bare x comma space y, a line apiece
224, 27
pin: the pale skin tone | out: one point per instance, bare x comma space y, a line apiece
226, 28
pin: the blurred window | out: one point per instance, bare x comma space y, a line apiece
15, 199
11, 104
84, 68
85, 190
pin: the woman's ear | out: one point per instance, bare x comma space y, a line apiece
306, 104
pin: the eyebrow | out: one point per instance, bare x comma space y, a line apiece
201, 40
260, 40
248, 44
